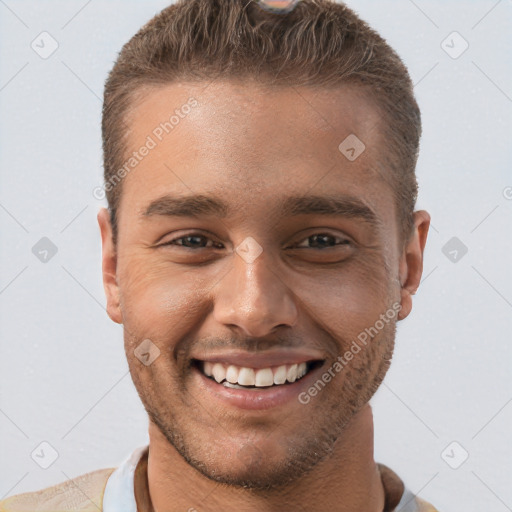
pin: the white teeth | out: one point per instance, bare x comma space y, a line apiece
246, 377
208, 368
291, 375
280, 375
264, 377
218, 372
227, 384
235, 376
232, 374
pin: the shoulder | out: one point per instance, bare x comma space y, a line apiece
83, 493
423, 506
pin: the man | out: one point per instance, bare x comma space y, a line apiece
260, 246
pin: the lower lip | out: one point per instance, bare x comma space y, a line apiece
258, 399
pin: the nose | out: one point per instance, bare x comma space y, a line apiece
253, 298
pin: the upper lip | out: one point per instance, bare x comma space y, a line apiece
264, 359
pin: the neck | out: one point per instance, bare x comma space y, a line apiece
347, 480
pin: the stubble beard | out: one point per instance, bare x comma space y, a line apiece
302, 453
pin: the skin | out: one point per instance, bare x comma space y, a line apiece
253, 146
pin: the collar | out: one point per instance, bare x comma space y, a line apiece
119, 493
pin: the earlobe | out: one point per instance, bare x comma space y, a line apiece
109, 267
411, 262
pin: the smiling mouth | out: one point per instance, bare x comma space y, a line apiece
241, 377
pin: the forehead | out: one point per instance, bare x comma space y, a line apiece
254, 145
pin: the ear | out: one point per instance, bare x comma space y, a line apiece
109, 264
411, 261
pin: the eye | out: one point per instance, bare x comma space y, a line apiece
323, 241
194, 241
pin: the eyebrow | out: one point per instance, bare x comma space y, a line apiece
189, 206
339, 205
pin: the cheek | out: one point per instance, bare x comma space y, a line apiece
160, 301
157, 301
347, 300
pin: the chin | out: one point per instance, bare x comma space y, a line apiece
260, 476
263, 465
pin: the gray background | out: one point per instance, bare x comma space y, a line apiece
63, 375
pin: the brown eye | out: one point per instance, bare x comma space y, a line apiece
323, 241
193, 241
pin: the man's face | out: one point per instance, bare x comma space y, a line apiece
190, 277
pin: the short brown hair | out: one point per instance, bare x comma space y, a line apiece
317, 43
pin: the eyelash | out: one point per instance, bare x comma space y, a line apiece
344, 241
